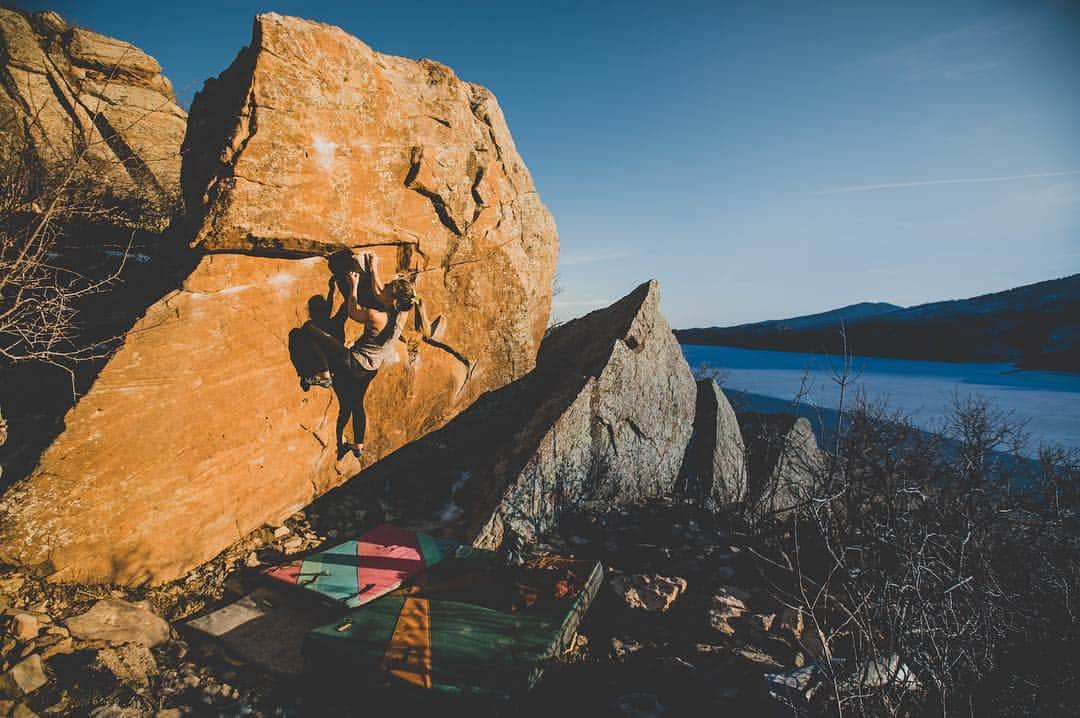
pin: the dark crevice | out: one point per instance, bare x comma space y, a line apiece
440, 209
437, 202
475, 190
637, 430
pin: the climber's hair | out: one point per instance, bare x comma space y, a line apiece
403, 293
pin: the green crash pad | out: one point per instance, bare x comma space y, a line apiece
467, 626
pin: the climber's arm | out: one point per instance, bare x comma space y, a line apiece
352, 307
378, 289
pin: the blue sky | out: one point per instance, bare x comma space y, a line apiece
761, 159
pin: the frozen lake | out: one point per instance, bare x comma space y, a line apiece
1048, 401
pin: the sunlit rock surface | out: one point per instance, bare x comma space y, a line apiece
197, 432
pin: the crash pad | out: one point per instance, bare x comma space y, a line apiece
469, 625
264, 628
359, 571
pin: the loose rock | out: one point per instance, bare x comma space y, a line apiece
23, 678
23, 626
651, 593
116, 621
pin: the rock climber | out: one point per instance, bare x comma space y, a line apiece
323, 359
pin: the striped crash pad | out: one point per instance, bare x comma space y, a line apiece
359, 571
467, 626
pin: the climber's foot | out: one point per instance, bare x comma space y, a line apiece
345, 448
321, 379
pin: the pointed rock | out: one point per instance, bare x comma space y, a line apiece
605, 415
714, 469
783, 458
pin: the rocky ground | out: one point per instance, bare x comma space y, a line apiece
681, 627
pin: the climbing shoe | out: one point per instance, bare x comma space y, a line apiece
306, 382
356, 449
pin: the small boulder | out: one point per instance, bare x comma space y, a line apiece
622, 648
732, 598
649, 592
714, 467
116, 621
23, 678
23, 627
726, 604
117, 711
783, 458
795, 687
759, 623
23, 711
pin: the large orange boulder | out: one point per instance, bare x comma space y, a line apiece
197, 431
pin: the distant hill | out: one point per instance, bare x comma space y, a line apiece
830, 318
1034, 326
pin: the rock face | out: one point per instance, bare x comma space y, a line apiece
66, 90
605, 415
783, 458
714, 470
197, 431
313, 141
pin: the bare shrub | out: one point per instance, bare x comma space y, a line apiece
45, 210
939, 554
39, 294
